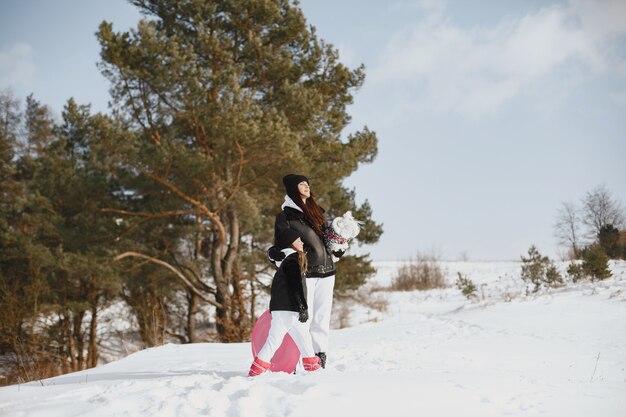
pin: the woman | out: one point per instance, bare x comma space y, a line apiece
301, 225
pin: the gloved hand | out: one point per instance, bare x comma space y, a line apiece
274, 254
339, 253
304, 314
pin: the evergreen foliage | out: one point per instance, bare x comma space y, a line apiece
225, 98
55, 247
540, 271
595, 262
466, 286
352, 272
608, 239
575, 271
169, 204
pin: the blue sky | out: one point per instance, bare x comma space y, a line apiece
489, 114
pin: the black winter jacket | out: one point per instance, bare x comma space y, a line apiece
291, 225
288, 291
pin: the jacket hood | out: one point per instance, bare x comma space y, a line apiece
290, 203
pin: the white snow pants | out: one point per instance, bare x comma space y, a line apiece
284, 322
319, 297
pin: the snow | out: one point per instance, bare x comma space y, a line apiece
560, 352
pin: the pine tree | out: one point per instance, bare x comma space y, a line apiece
26, 259
466, 285
228, 96
608, 239
39, 126
539, 270
75, 176
596, 262
9, 128
55, 245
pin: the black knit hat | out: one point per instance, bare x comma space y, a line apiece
291, 182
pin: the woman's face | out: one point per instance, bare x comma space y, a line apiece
304, 190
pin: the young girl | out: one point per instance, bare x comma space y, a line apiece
289, 313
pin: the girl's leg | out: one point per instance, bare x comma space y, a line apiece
279, 326
320, 301
300, 334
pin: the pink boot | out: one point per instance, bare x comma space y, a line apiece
258, 367
311, 364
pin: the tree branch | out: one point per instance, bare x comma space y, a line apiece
214, 219
148, 215
171, 268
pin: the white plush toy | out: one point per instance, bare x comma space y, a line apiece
341, 231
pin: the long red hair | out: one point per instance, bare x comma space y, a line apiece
313, 213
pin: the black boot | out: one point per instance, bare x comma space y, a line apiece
322, 356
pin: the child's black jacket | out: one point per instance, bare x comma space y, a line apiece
288, 287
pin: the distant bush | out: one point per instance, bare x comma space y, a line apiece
595, 262
353, 272
467, 287
575, 272
370, 298
609, 241
425, 273
540, 271
553, 276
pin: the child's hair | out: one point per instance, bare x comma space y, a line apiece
303, 262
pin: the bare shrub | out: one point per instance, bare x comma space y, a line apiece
369, 298
344, 316
372, 300
378, 303
423, 273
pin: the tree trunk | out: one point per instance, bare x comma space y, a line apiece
222, 265
192, 298
92, 350
71, 345
252, 298
238, 307
157, 319
192, 309
222, 292
150, 314
79, 340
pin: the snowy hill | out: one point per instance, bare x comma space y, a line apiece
433, 353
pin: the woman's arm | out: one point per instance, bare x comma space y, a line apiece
284, 236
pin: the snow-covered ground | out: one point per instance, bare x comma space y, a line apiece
557, 353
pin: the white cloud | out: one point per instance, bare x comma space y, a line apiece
476, 71
16, 66
601, 17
